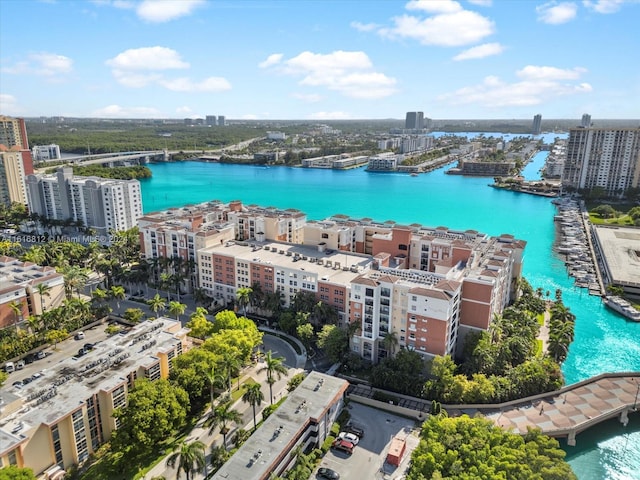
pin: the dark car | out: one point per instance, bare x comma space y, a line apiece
88, 346
328, 474
355, 430
17, 384
81, 352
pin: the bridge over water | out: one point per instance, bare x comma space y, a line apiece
563, 413
568, 411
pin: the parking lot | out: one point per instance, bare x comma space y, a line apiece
368, 458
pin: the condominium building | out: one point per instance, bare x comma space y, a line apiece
303, 420
13, 132
15, 165
211, 120
280, 267
20, 286
536, 127
62, 417
102, 204
602, 158
586, 121
45, 153
414, 121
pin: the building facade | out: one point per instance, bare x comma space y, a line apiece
102, 204
607, 159
414, 121
20, 286
45, 153
536, 127
13, 132
15, 165
61, 418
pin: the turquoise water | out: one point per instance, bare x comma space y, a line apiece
604, 342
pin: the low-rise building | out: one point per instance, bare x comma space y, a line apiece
62, 417
31, 287
303, 420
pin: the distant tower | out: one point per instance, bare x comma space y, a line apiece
221, 121
536, 129
211, 120
13, 132
414, 121
586, 121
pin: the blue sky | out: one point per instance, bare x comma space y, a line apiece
320, 59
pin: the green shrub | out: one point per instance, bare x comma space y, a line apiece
385, 397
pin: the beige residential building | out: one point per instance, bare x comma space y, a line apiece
15, 165
19, 284
13, 132
61, 418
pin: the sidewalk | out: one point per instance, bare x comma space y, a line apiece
201, 433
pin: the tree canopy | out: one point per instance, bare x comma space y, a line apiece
465, 448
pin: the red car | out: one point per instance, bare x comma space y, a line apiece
343, 445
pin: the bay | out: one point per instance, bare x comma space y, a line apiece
604, 341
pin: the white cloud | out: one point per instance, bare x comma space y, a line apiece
533, 72
9, 105
160, 11
183, 110
307, 97
480, 51
42, 63
364, 27
330, 116
538, 85
434, 6
121, 4
555, 13
271, 60
211, 84
116, 111
606, 6
249, 116
349, 73
454, 29
147, 58
481, 3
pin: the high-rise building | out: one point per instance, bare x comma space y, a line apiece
211, 120
15, 165
608, 159
414, 121
586, 120
13, 132
536, 128
102, 204
221, 121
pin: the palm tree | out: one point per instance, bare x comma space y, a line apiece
230, 364
157, 304
213, 379
253, 396
177, 309
16, 308
221, 416
390, 341
74, 278
44, 291
117, 292
274, 366
190, 458
243, 295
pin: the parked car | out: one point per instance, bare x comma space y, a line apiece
343, 445
41, 354
349, 437
81, 352
88, 346
328, 474
9, 367
17, 384
79, 336
355, 430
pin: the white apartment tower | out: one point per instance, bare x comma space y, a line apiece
602, 158
102, 204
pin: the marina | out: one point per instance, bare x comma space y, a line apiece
624, 308
573, 243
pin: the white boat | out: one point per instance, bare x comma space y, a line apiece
623, 307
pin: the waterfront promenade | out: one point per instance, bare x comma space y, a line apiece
563, 413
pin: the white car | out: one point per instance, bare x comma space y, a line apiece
349, 437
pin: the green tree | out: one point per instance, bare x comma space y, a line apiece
470, 448
43, 290
117, 292
155, 410
253, 396
296, 380
16, 308
189, 458
13, 472
305, 334
274, 366
334, 341
56, 336
157, 304
221, 417
243, 296
199, 325
177, 309
133, 315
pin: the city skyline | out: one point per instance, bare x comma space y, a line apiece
320, 60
